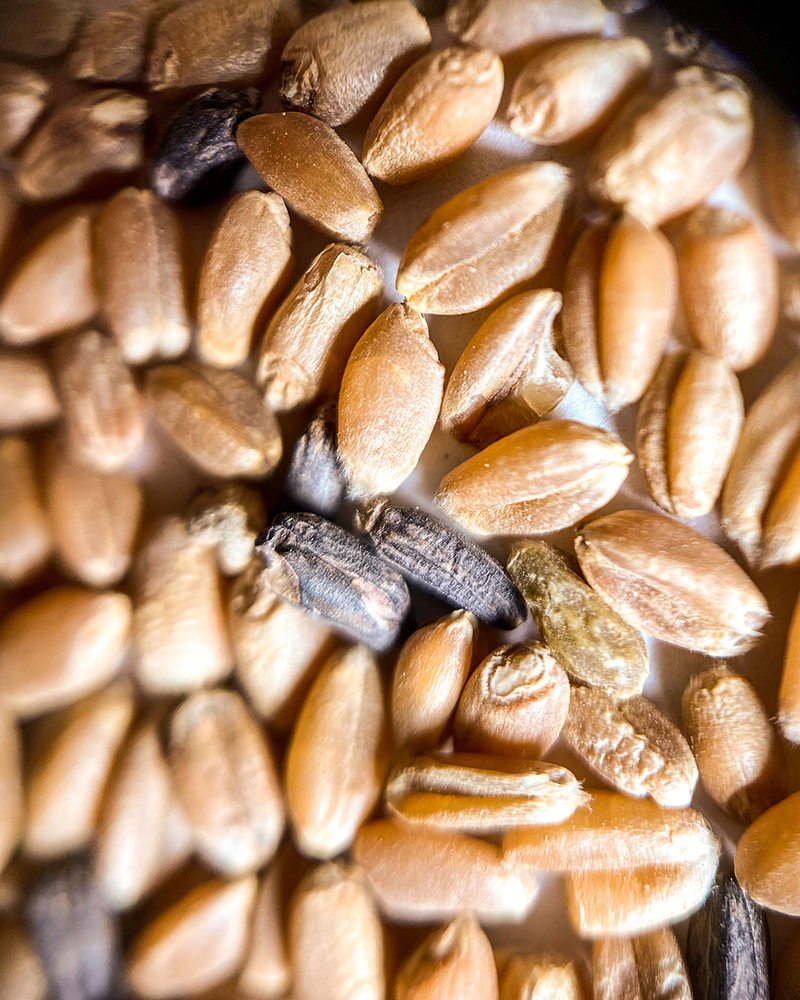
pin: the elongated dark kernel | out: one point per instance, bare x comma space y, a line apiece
77, 940
322, 568
198, 153
443, 561
727, 948
315, 479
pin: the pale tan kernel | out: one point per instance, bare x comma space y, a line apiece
345, 60
104, 414
23, 95
768, 857
25, 532
542, 478
739, 756
181, 642
572, 87
337, 755
61, 646
220, 42
244, 270
485, 240
620, 295
199, 942
12, 799
267, 973
509, 374
141, 276
389, 401
310, 337
331, 189
430, 673
666, 152
509, 25
514, 703
729, 285
454, 961
113, 45
672, 582
224, 775
67, 777
434, 113
52, 289
27, 396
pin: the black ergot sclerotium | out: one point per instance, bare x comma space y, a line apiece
198, 153
322, 568
727, 947
444, 562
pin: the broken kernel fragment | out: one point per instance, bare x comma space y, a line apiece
538, 479
329, 188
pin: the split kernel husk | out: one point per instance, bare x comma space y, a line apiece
98, 132
197, 943
478, 793
779, 160
66, 778
23, 95
510, 373
52, 289
485, 240
330, 189
514, 703
538, 479
389, 401
216, 418
60, 646
768, 857
27, 396
25, 531
220, 41
759, 500
141, 276
315, 478
666, 152
672, 582
310, 337
588, 638
104, 416
224, 774
431, 670
346, 59
572, 86
278, 649
687, 429
335, 937
632, 746
509, 25
181, 642
612, 832
245, 268
727, 946
434, 113
337, 755
635, 901
113, 45
423, 875
620, 295
453, 962
739, 756
729, 285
